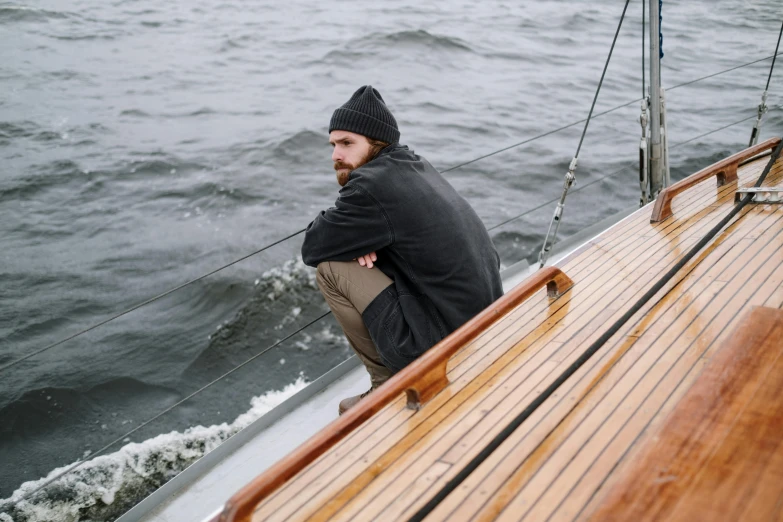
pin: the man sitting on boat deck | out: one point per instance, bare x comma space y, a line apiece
402, 259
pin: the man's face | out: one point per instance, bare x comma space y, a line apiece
351, 151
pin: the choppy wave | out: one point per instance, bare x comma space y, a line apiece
57, 172
281, 293
208, 189
159, 164
61, 172
237, 42
418, 38
37, 409
515, 245
138, 113
300, 146
409, 41
23, 13
11, 130
21, 129
87, 36
105, 487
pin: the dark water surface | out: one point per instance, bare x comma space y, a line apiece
144, 143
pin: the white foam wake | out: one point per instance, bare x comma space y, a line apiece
105, 487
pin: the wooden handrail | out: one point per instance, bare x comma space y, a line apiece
420, 380
725, 171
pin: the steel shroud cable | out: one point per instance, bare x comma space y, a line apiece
772, 67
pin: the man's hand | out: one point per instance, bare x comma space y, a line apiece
367, 260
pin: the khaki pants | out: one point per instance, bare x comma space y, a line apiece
349, 288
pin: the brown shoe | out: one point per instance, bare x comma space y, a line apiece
350, 402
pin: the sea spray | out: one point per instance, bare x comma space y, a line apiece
105, 487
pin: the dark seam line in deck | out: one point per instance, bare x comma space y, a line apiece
674, 389
779, 306
606, 355
577, 332
617, 237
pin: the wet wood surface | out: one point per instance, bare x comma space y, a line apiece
559, 464
725, 171
719, 455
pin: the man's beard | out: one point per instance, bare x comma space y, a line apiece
343, 177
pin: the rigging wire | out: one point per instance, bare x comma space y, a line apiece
570, 177
762, 107
644, 52
538, 137
689, 82
772, 67
601, 81
525, 213
712, 131
148, 301
152, 419
501, 437
290, 236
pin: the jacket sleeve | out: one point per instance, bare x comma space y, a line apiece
355, 226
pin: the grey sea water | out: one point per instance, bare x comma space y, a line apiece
146, 143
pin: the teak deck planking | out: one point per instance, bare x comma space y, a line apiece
719, 456
558, 460
642, 388
627, 358
494, 477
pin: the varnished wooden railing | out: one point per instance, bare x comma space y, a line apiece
421, 380
725, 171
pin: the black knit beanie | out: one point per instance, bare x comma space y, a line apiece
366, 114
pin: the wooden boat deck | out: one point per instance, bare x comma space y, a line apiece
560, 462
719, 455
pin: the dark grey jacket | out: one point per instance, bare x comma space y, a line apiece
429, 241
